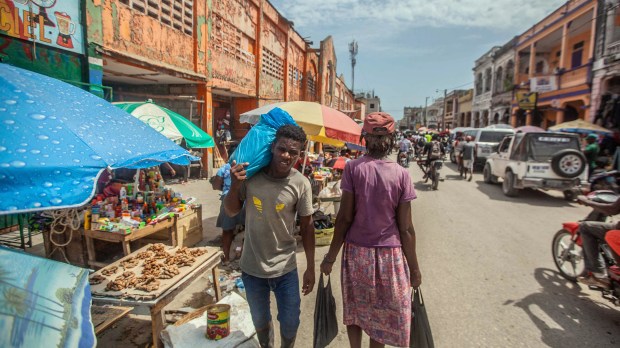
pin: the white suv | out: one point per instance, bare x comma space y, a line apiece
548, 161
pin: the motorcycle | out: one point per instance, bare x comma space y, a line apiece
605, 180
568, 255
433, 172
403, 160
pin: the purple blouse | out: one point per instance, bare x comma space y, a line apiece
379, 186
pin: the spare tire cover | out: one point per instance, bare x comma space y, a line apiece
568, 163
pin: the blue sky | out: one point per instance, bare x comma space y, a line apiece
408, 49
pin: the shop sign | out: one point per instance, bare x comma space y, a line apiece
543, 84
527, 100
47, 22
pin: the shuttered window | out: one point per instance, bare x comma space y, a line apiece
178, 14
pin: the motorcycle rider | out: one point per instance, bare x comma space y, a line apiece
433, 150
404, 147
592, 233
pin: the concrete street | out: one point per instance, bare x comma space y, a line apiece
488, 277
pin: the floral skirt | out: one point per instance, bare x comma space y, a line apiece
376, 293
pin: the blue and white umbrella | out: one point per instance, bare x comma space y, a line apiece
56, 139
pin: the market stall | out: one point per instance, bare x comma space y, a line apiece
55, 149
152, 276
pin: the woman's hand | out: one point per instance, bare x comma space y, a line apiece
326, 266
416, 278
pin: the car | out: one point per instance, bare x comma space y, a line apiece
486, 141
541, 160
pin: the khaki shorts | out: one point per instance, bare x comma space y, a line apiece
468, 164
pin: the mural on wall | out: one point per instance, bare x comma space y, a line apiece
41, 59
47, 22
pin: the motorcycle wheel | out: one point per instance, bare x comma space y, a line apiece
568, 256
435, 177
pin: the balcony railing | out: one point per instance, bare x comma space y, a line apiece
613, 48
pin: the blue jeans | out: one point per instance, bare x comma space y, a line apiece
286, 291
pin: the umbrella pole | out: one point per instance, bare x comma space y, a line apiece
303, 166
136, 183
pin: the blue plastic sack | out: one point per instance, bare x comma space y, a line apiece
255, 147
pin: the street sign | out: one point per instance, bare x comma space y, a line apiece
527, 100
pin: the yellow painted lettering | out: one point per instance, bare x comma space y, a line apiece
42, 30
6, 22
27, 17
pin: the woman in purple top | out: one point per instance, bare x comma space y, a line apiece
379, 262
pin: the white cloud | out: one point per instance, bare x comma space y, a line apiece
379, 14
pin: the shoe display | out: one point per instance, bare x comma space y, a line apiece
591, 280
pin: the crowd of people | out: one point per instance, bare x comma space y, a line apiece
374, 228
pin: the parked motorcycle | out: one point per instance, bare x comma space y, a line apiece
568, 255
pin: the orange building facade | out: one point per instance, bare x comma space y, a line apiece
210, 60
554, 59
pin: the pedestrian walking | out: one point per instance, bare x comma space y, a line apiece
274, 196
467, 155
591, 152
379, 262
222, 181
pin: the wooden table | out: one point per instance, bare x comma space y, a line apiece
168, 226
157, 304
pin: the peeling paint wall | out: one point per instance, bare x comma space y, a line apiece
232, 45
327, 72
128, 31
296, 71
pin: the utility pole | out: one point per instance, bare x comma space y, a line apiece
443, 116
353, 51
425, 106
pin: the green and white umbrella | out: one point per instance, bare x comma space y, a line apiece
172, 125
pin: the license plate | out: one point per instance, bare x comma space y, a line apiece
540, 169
485, 150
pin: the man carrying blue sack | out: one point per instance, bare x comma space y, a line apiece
275, 195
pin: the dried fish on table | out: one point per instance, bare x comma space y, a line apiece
169, 271
194, 252
130, 263
148, 284
109, 270
144, 255
96, 279
126, 280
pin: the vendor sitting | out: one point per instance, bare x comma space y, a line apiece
113, 188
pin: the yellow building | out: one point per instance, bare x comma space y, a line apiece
554, 60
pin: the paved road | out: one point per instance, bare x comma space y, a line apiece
488, 276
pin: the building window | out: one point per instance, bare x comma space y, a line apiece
372, 106
272, 65
487, 80
577, 56
178, 14
479, 84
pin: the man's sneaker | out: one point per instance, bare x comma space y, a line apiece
591, 280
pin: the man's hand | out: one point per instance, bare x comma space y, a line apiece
581, 199
416, 278
308, 284
237, 171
